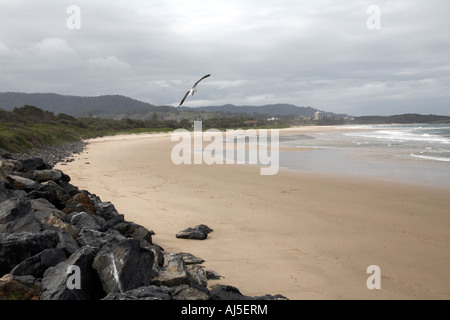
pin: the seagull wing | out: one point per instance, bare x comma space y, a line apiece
201, 80
184, 98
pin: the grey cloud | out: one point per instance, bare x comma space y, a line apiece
316, 53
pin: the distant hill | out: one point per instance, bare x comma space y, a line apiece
117, 106
109, 106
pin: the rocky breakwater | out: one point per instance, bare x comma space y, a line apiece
61, 243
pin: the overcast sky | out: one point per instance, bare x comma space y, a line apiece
325, 54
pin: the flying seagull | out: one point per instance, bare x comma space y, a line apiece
193, 90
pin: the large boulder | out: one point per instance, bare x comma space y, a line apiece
47, 175
124, 266
32, 164
97, 239
67, 243
52, 192
173, 273
14, 209
37, 264
22, 183
199, 232
132, 230
60, 282
16, 247
83, 220
104, 209
16, 216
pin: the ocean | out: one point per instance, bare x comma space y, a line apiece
410, 153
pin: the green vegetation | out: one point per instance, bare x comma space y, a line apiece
408, 118
30, 127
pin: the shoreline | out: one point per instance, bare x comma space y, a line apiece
303, 235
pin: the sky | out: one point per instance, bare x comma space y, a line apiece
374, 57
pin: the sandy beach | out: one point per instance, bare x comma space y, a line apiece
302, 235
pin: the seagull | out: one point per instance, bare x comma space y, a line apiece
193, 90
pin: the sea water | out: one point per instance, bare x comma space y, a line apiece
411, 153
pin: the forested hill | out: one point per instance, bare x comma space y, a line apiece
108, 106
117, 106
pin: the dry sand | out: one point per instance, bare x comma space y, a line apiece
302, 235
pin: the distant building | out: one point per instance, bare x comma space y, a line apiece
273, 119
318, 115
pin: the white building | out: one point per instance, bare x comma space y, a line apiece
318, 115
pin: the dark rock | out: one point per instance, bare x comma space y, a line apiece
5, 154
67, 243
19, 287
83, 220
27, 223
157, 251
173, 272
79, 202
16, 216
53, 154
53, 193
10, 165
16, 247
13, 209
131, 229
65, 177
23, 183
198, 274
191, 259
3, 191
54, 222
32, 164
47, 175
97, 239
104, 209
42, 208
142, 293
212, 275
37, 264
69, 189
124, 266
116, 221
142, 233
199, 232
50, 217
56, 279
269, 297
226, 292
185, 292
204, 228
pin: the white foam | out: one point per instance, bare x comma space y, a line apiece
397, 135
430, 157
